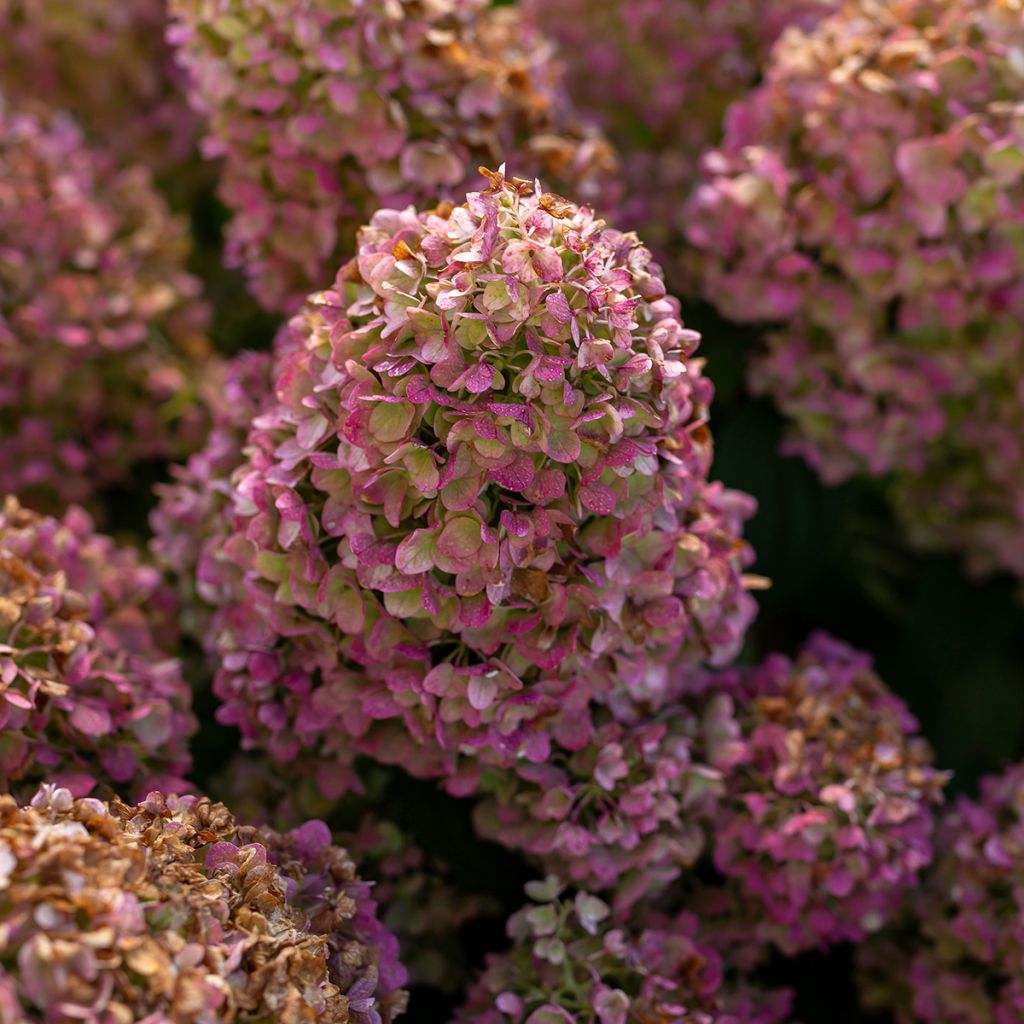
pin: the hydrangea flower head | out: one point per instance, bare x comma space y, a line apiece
870, 197
324, 111
572, 962
100, 328
658, 76
828, 815
169, 910
961, 961
481, 499
89, 690
110, 66
627, 812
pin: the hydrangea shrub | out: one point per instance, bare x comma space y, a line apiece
322, 112
90, 690
828, 814
100, 324
957, 959
869, 198
169, 910
110, 66
481, 500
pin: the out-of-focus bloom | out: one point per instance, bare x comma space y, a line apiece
89, 692
870, 195
626, 812
324, 112
658, 75
170, 911
481, 500
572, 963
419, 897
100, 328
109, 65
827, 818
192, 518
963, 961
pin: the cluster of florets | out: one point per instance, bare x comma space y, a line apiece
170, 911
658, 75
961, 963
481, 500
99, 324
192, 518
109, 65
422, 902
323, 113
89, 692
870, 195
828, 815
627, 811
571, 962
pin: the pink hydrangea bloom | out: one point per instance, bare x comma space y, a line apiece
481, 500
627, 811
100, 330
109, 65
870, 196
963, 961
572, 962
89, 691
658, 75
324, 112
171, 911
828, 815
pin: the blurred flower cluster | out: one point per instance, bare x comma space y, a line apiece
658, 76
956, 958
572, 962
323, 112
110, 66
90, 690
869, 199
101, 338
170, 911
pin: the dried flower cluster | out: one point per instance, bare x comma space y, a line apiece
572, 963
109, 65
961, 963
100, 330
481, 500
324, 112
658, 75
169, 911
89, 691
870, 196
828, 814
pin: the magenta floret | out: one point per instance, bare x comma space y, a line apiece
324, 112
870, 197
91, 693
481, 500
